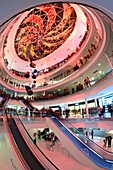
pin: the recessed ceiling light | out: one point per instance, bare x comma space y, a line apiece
99, 64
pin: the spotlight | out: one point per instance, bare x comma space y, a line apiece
34, 81
34, 76
27, 75
27, 88
30, 92
35, 71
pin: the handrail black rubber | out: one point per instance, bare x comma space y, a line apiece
31, 160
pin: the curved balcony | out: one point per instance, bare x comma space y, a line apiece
100, 88
19, 87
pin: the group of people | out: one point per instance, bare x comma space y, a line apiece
49, 138
107, 141
50, 141
85, 85
101, 111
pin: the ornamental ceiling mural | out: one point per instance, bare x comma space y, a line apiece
44, 30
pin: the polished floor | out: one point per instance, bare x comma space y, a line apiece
59, 155
8, 159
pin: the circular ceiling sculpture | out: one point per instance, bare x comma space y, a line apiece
44, 30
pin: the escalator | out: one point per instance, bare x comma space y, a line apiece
25, 151
27, 103
79, 149
4, 102
106, 154
31, 159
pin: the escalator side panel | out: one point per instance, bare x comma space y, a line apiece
25, 151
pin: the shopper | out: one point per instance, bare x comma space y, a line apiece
34, 140
109, 139
92, 133
105, 142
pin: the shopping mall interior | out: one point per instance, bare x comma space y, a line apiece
56, 85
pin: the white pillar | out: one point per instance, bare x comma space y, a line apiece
86, 104
66, 106
46, 106
107, 114
96, 105
88, 132
100, 102
80, 110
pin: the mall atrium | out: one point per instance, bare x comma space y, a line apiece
56, 56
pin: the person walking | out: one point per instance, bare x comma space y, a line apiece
105, 142
34, 140
92, 133
109, 139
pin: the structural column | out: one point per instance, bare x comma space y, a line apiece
96, 105
86, 104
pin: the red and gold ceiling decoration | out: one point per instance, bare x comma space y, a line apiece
44, 30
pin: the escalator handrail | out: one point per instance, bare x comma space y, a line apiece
91, 141
95, 157
20, 157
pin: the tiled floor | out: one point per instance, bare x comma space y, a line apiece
61, 157
8, 159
